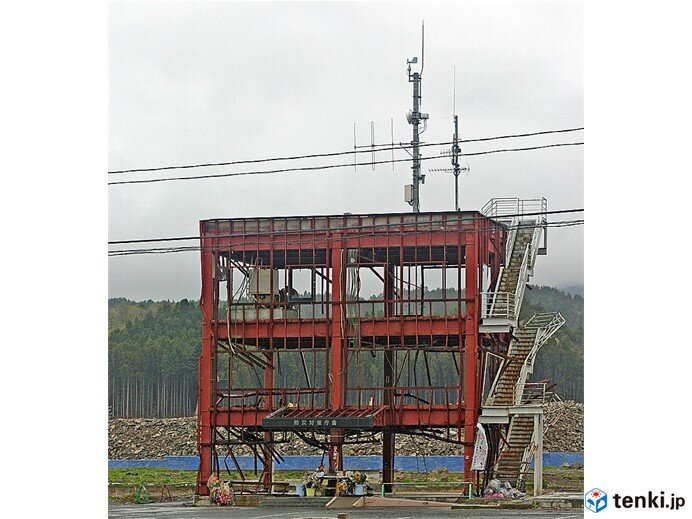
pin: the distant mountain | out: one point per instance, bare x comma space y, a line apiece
574, 290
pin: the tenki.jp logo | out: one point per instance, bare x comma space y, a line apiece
595, 500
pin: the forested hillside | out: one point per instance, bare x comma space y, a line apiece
562, 359
153, 349
152, 357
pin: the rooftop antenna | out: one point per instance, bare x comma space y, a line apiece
392, 120
372, 146
372, 142
355, 153
422, 52
414, 117
454, 152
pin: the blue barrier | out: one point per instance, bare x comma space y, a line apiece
405, 463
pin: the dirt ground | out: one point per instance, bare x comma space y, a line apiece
558, 479
163, 485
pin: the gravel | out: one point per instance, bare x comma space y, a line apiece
149, 438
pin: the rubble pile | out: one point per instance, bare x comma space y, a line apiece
148, 438
566, 434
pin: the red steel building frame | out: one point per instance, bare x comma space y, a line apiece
336, 332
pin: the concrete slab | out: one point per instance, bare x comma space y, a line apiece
375, 501
559, 500
343, 502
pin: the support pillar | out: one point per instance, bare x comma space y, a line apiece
337, 360
538, 455
336, 458
267, 460
472, 322
204, 375
388, 436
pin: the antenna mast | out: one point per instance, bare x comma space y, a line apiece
455, 146
455, 161
455, 151
414, 117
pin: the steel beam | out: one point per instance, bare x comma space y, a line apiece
396, 326
415, 416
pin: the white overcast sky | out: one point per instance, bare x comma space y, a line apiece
211, 82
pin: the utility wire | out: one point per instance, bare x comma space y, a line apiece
331, 229
195, 248
334, 154
521, 149
332, 166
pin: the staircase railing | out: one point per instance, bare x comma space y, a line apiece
521, 282
535, 242
506, 208
547, 324
511, 239
532, 446
506, 304
510, 211
498, 304
526, 462
536, 393
496, 380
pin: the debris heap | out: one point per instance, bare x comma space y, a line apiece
566, 432
148, 438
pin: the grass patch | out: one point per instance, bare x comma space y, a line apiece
125, 480
439, 475
151, 476
155, 476
558, 479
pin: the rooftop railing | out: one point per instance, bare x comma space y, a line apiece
508, 208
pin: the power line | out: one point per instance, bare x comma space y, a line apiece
197, 248
483, 139
521, 149
379, 147
332, 166
355, 227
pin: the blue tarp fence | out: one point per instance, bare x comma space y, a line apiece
406, 463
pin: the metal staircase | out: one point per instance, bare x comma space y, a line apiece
505, 390
510, 399
511, 462
509, 391
526, 221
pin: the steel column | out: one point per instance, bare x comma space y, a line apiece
204, 426
388, 436
472, 323
337, 353
538, 454
336, 458
268, 435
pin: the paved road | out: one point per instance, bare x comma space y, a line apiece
174, 511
